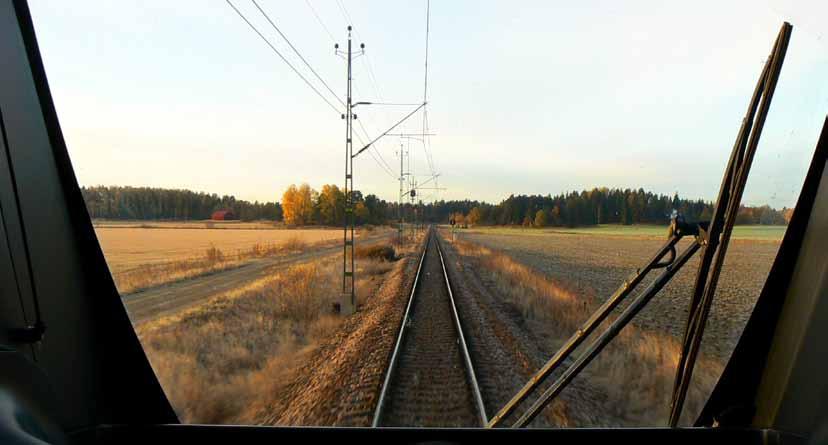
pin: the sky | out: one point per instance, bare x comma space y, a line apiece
531, 97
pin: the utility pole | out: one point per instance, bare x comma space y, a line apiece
400, 197
348, 301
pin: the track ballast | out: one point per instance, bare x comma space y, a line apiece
430, 379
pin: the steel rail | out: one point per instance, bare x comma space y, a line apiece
478, 398
393, 363
472, 379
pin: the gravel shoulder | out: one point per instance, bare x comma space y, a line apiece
506, 352
429, 386
338, 382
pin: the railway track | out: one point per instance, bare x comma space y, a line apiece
430, 379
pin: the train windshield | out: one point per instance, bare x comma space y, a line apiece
396, 213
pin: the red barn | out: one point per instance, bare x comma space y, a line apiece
223, 215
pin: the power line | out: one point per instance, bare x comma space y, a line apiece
381, 160
319, 19
382, 164
394, 104
283, 58
425, 91
372, 78
367, 62
388, 130
297, 52
368, 137
381, 157
427, 143
388, 167
428, 25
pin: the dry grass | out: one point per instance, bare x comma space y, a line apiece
593, 266
376, 252
635, 372
127, 247
147, 254
213, 260
215, 360
225, 360
295, 243
193, 224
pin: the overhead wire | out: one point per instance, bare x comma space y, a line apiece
319, 19
426, 140
368, 137
381, 160
390, 129
264, 39
361, 126
349, 22
375, 154
267, 17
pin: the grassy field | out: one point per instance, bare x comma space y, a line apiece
195, 224
592, 266
129, 246
226, 360
145, 254
768, 233
556, 278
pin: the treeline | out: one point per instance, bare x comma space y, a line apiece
147, 203
304, 205
591, 207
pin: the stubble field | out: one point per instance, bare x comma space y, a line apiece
131, 244
554, 279
593, 264
143, 255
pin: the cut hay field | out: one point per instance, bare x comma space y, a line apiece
151, 254
592, 263
555, 279
195, 224
129, 246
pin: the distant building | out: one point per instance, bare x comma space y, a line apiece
223, 215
